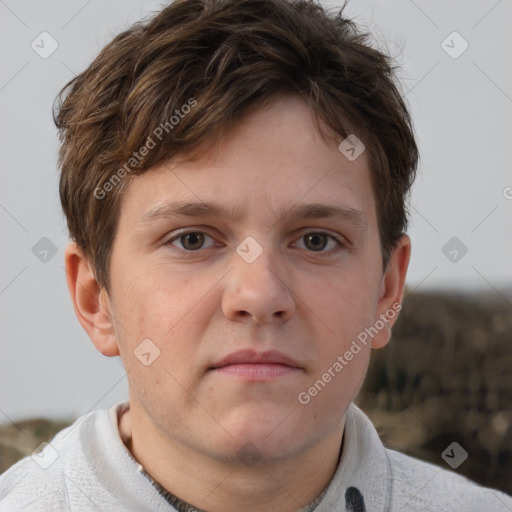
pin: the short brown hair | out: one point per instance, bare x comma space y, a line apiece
221, 58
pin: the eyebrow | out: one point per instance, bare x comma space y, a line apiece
168, 210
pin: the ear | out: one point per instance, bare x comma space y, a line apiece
90, 301
392, 291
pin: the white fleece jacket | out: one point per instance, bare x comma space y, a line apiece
86, 467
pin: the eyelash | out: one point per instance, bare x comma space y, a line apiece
341, 245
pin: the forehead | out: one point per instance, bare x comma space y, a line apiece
273, 158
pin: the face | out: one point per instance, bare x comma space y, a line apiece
250, 303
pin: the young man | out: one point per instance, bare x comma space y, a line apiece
234, 176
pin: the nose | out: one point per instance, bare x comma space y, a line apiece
258, 291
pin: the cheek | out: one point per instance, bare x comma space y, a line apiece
329, 394
346, 303
173, 314
152, 302
159, 321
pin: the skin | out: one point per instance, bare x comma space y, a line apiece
188, 423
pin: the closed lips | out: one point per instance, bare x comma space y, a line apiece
254, 357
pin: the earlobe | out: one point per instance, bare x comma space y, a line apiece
90, 301
392, 290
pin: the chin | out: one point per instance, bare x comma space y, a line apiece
266, 431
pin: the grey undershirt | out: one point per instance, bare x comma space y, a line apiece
183, 506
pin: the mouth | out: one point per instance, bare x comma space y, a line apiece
253, 365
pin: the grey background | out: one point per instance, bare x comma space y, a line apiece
462, 112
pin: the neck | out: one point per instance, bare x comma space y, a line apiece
287, 485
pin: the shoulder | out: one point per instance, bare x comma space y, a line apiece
394, 481
419, 485
41, 481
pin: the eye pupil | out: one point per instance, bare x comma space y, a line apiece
194, 238
315, 237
